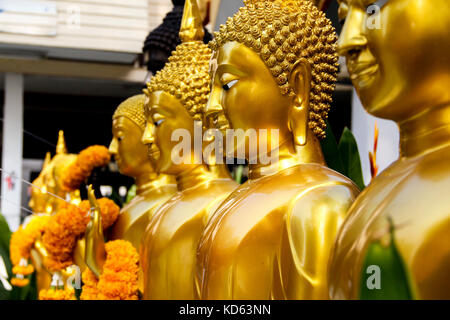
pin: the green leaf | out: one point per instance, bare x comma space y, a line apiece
5, 233
348, 150
5, 236
331, 151
131, 194
395, 284
238, 173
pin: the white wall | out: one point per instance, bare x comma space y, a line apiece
363, 127
12, 149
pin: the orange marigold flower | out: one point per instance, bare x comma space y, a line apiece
119, 280
90, 282
23, 270
20, 282
57, 294
88, 159
23, 239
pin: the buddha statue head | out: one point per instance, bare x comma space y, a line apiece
126, 146
53, 174
398, 54
176, 96
274, 66
39, 197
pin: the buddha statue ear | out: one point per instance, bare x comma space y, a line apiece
300, 82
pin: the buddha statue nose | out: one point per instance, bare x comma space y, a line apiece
147, 137
113, 147
352, 39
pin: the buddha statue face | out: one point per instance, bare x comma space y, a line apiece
128, 126
274, 67
165, 115
398, 56
176, 98
39, 197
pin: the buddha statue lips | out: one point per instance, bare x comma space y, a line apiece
176, 98
274, 66
407, 83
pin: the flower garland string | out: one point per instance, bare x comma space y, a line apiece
88, 159
20, 246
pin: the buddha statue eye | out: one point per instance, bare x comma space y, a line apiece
158, 122
228, 86
120, 138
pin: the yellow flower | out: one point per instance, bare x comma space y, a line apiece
57, 294
23, 270
18, 282
22, 242
90, 290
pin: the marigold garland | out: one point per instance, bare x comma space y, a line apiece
20, 246
90, 289
23, 270
119, 280
88, 159
57, 294
67, 225
20, 282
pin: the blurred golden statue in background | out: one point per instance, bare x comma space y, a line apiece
153, 189
46, 199
398, 56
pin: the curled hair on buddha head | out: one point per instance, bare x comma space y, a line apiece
132, 109
186, 74
282, 32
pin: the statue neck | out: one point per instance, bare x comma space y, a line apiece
193, 177
146, 182
290, 155
425, 132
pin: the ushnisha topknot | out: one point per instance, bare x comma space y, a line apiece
186, 75
282, 32
133, 109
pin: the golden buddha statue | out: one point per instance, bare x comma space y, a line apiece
274, 68
52, 193
176, 98
131, 156
39, 200
405, 79
152, 189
